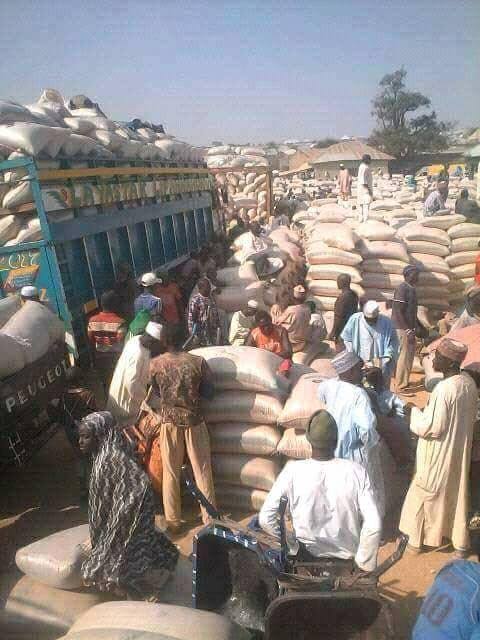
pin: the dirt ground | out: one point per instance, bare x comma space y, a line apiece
43, 498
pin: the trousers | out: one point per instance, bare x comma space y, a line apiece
405, 359
174, 441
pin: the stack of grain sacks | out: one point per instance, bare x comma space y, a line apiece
330, 250
242, 421
465, 239
247, 194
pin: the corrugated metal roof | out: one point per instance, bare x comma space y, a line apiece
474, 152
349, 150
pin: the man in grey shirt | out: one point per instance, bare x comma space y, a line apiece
404, 319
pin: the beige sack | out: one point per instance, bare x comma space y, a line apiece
240, 498
332, 271
432, 279
464, 271
56, 560
324, 368
460, 258
242, 406
416, 231
166, 620
464, 230
246, 471
320, 253
432, 263
232, 299
237, 276
372, 230
295, 445
234, 437
323, 303
335, 235
383, 249
443, 222
9, 228
383, 265
302, 403
329, 288
382, 280
244, 368
431, 248
465, 244
380, 295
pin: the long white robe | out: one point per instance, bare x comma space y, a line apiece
436, 505
129, 382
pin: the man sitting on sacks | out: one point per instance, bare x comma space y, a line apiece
255, 247
373, 338
271, 337
332, 505
295, 319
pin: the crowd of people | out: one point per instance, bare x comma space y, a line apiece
141, 340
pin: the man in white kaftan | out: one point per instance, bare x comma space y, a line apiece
132, 373
351, 408
333, 508
437, 502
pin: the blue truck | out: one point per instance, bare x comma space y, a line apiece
92, 218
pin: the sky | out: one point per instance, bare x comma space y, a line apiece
243, 71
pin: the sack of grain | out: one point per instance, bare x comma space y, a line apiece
9, 228
142, 620
464, 230
244, 368
323, 303
465, 244
464, 271
19, 195
416, 231
383, 249
33, 610
13, 352
334, 235
380, 295
329, 288
433, 279
320, 253
430, 248
246, 471
382, 265
372, 230
381, 280
237, 276
443, 222
235, 298
36, 327
240, 498
8, 307
460, 258
233, 437
324, 368
431, 263
295, 445
332, 271
13, 112
242, 406
302, 403
56, 560
383, 205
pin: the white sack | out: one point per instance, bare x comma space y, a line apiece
242, 406
247, 471
234, 437
383, 249
302, 403
332, 271
244, 368
9, 228
56, 560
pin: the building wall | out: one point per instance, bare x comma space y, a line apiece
334, 167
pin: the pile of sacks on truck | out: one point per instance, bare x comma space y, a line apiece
246, 192
51, 130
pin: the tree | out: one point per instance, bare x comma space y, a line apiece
398, 133
325, 142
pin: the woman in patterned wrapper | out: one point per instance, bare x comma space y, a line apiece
128, 556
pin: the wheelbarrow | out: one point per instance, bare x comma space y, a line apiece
249, 576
